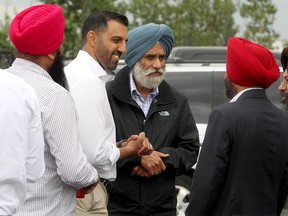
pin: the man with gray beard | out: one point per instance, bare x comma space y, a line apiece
141, 100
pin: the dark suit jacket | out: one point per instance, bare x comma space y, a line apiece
243, 163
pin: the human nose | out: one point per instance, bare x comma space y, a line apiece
158, 64
283, 84
122, 47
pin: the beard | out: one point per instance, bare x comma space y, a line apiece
231, 91
141, 75
56, 71
105, 58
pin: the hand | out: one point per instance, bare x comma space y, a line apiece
138, 145
140, 171
146, 148
90, 188
131, 138
153, 163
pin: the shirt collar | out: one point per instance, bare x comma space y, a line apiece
91, 63
133, 88
240, 93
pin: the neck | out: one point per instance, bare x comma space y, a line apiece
42, 61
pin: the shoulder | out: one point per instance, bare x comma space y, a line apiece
16, 85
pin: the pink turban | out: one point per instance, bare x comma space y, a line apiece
38, 30
250, 65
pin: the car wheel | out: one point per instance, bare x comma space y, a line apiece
183, 184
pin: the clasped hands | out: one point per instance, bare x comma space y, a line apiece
151, 160
138, 145
151, 165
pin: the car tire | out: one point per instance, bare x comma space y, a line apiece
182, 184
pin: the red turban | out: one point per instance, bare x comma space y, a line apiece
250, 65
38, 30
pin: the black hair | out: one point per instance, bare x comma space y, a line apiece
98, 21
284, 58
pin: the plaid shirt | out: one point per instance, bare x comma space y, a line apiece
142, 102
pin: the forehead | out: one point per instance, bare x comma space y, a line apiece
115, 28
156, 49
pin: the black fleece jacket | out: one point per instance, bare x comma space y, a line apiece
171, 129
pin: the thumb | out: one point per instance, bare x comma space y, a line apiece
142, 135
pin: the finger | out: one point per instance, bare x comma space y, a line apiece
143, 149
146, 148
134, 170
162, 155
162, 166
132, 137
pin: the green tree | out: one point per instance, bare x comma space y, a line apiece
260, 16
208, 22
194, 22
75, 12
5, 44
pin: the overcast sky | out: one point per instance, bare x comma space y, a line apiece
280, 23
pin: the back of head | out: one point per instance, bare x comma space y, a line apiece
143, 38
249, 64
38, 30
98, 22
284, 58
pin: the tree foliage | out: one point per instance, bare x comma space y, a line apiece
260, 16
75, 12
5, 43
194, 22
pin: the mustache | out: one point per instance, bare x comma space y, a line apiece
117, 53
150, 71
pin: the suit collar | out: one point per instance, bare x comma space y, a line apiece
251, 93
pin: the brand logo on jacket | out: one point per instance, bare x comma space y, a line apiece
164, 113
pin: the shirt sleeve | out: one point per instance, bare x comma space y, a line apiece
62, 134
35, 164
97, 128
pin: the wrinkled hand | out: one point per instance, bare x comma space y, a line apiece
146, 148
140, 171
153, 163
139, 145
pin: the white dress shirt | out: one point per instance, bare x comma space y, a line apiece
97, 128
21, 141
67, 168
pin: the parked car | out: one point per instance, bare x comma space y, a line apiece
204, 54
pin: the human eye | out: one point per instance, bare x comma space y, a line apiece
150, 57
116, 40
162, 58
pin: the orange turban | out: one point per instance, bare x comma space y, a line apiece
249, 64
38, 30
